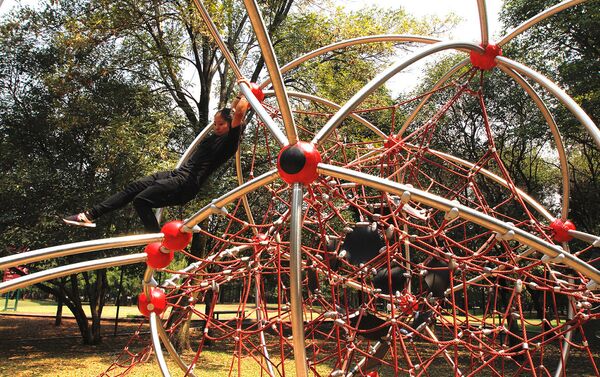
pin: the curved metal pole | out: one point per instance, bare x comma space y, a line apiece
53, 273
334, 105
217, 38
232, 195
466, 213
440, 82
537, 18
164, 337
78, 248
562, 156
297, 315
155, 323
382, 78
528, 199
268, 54
351, 42
483, 22
558, 93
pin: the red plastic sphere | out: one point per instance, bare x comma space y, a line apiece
174, 238
408, 304
487, 60
156, 258
298, 163
257, 91
157, 303
372, 374
560, 230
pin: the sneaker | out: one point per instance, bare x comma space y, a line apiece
79, 219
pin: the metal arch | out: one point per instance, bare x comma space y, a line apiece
440, 82
557, 92
215, 34
537, 18
53, 273
352, 42
562, 156
466, 213
538, 207
155, 323
382, 78
483, 22
164, 337
230, 196
334, 105
78, 248
273, 67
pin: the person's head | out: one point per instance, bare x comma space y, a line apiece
222, 121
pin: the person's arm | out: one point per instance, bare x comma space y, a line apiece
240, 106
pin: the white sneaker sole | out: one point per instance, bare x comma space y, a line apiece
79, 223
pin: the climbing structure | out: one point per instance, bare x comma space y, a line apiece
361, 249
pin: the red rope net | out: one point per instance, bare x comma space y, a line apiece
391, 286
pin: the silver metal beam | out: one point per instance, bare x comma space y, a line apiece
352, 42
483, 22
78, 248
557, 92
440, 82
264, 116
268, 54
232, 195
528, 199
537, 18
297, 314
164, 337
466, 213
562, 156
217, 38
382, 78
75, 268
155, 323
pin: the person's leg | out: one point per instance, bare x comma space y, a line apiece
126, 195
165, 192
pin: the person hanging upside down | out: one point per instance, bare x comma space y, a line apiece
179, 186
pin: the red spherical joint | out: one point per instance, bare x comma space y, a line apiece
408, 304
257, 91
298, 163
157, 303
175, 239
560, 230
392, 144
158, 258
372, 374
487, 60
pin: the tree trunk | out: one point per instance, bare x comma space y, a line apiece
59, 309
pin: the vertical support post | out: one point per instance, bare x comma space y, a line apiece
296, 281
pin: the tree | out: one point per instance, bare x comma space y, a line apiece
68, 137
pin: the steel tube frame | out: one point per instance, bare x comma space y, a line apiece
466, 213
232, 195
557, 92
537, 18
53, 273
297, 314
352, 42
562, 156
164, 337
382, 78
155, 323
78, 248
440, 82
483, 22
537, 206
268, 54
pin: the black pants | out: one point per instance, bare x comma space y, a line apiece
165, 188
